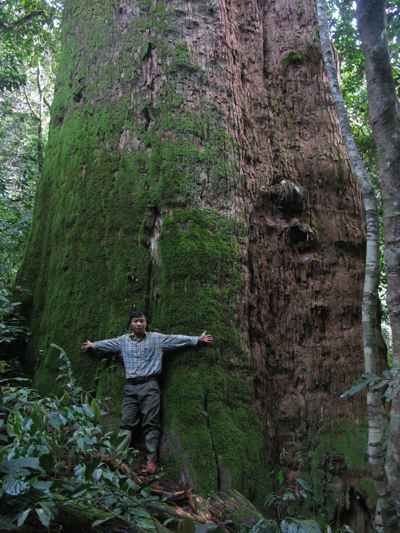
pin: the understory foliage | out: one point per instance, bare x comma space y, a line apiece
52, 455
54, 452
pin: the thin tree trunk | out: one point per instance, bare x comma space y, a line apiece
385, 123
375, 419
40, 126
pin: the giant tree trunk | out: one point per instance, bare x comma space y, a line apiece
195, 169
385, 123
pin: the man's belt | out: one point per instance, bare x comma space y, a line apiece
138, 381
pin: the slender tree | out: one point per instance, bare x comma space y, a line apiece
371, 358
384, 112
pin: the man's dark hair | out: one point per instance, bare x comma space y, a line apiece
137, 314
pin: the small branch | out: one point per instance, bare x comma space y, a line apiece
46, 102
13, 26
29, 104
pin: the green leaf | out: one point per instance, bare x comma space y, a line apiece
271, 527
50, 508
46, 462
98, 522
14, 486
186, 526
78, 491
54, 421
90, 468
22, 517
79, 472
44, 516
207, 528
88, 410
284, 526
305, 485
65, 398
288, 496
37, 416
391, 393
348, 528
270, 500
360, 385
96, 476
309, 526
96, 410
20, 466
43, 485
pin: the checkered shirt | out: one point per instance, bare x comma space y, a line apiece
143, 357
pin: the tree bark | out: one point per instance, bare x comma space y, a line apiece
384, 116
195, 169
371, 283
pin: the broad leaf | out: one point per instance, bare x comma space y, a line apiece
44, 516
305, 485
20, 466
98, 522
54, 421
90, 468
46, 462
14, 487
186, 526
22, 517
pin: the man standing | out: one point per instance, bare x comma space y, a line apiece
142, 353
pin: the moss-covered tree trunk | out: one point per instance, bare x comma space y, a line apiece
195, 170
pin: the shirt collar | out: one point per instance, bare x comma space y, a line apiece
131, 335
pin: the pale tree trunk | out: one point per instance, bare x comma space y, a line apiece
371, 357
384, 116
40, 126
38, 114
195, 169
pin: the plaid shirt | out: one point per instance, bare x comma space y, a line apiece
143, 357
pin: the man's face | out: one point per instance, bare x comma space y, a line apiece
138, 324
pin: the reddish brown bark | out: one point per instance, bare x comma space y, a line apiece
286, 307
306, 262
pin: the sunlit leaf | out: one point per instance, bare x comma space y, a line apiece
14, 487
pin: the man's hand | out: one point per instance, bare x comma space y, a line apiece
86, 345
206, 339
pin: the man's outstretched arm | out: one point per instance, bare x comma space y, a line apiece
172, 342
110, 345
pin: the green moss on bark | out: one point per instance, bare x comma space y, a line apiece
121, 159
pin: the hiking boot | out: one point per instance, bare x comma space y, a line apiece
151, 468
